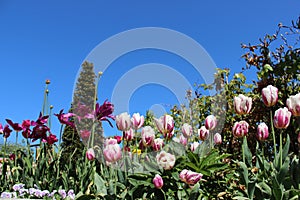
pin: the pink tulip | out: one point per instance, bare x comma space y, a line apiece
85, 134
210, 122
190, 177
240, 129
182, 175
148, 136
90, 154
269, 95
123, 121
203, 133
194, 146
293, 104
262, 132
158, 144
217, 138
242, 104
137, 121
158, 181
187, 130
282, 118
183, 140
129, 135
110, 141
165, 160
112, 153
165, 124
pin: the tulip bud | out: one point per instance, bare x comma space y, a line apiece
129, 135
165, 160
293, 104
282, 118
242, 104
269, 95
217, 138
187, 130
158, 144
123, 121
148, 136
158, 181
210, 122
194, 146
112, 153
47, 81
90, 154
240, 129
203, 133
137, 121
262, 132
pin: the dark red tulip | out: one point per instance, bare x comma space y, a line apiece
15, 126
103, 112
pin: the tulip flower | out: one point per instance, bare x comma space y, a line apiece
158, 181
110, 141
210, 122
112, 153
190, 177
282, 118
148, 136
51, 139
1, 129
293, 104
183, 140
103, 112
129, 135
269, 95
85, 134
165, 160
41, 120
262, 132
217, 138
137, 121
15, 126
158, 144
242, 104
118, 138
39, 132
187, 130
90, 154
182, 175
64, 118
203, 133
194, 146
240, 129
6, 131
123, 121
165, 124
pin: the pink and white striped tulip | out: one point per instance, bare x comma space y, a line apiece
203, 133
158, 144
183, 140
112, 153
217, 138
165, 160
282, 118
194, 146
187, 130
210, 122
148, 136
262, 131
129, 135
240, 129
165, 124
190, 177
293, 104
123, 121
242, 104
90, 154
269, 95
137, 121
158, 181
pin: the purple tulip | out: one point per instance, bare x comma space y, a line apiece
262, 132
203, 133
240, 129
137, 121
123, 121
103, 112
158, 181
269, 95
210, 122
242, 104
282, 118
293, 104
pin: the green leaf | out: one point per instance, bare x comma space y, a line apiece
264, 188
100, 185
247, 152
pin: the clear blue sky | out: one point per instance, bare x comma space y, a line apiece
42, 40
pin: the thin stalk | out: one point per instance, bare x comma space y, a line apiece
273, 133
280, 149
243, 150
60, 133
16, 149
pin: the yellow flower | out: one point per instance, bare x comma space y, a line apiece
138, 151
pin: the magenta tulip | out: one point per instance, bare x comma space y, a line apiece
262, 132
269, 95
240, 129
210, 122
293, 104
15, 126
158, 181
103, 112
242, 104
282, 118
203, 133
165, 160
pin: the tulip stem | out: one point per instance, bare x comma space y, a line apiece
243, 149
273, 133
280, 149
60, 133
